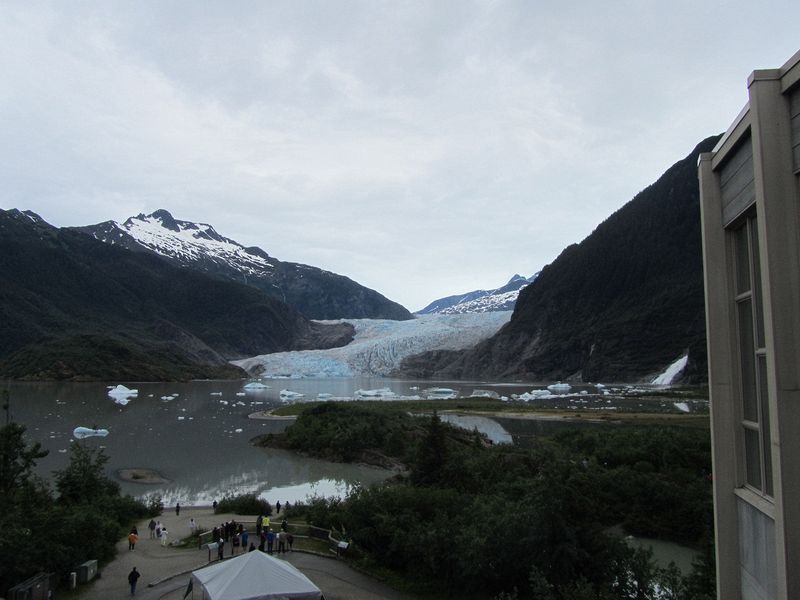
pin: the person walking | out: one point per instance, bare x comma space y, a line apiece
132, 539
133, 577
164, 535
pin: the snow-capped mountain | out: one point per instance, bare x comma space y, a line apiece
380, 346
480, 301
316, 293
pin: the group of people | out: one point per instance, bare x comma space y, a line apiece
230, 532
237, 536
269, 540
157, 531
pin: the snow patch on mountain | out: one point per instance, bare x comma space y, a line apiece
481, 301
190, 242
380, 345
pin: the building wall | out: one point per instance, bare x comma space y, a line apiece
750, 206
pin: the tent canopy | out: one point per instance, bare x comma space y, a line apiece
253, 576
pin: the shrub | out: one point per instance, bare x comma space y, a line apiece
155, 505
244, 504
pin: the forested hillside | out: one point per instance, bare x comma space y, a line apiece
621, 305
72, 307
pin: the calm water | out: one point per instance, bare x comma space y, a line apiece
199, 441
197, 434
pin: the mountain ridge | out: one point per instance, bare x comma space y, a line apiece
72, 307
619, 306
477, 301
314, 292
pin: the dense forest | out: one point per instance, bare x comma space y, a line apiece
473, 520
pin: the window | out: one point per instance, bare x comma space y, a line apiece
753, 389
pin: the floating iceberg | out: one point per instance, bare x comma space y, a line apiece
682, 406
324, 396
440, 393
121, 391
255, 386
290, 395
83, 432
381, 393
559, 388
535, 395
485, 394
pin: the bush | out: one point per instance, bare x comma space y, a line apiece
244, 504
155, 505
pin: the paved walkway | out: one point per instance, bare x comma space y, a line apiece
165, 571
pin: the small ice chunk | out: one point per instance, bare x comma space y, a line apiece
122, 391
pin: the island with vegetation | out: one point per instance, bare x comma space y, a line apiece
469, 519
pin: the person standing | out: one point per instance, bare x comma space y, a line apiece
133, 577
132, 539
270, 541
192, 526
164, 534
278, 507
152, 527
177, 509
281, 542
220, 548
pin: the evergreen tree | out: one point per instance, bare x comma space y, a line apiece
431, 455
24, 501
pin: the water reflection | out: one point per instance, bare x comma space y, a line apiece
491, 428
198, 441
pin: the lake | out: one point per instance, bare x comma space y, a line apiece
197, 434
199, 441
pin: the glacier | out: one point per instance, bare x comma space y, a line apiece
379, 346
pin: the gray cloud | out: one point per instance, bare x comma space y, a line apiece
421, 148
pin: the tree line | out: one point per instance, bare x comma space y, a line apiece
473, 520
53, 531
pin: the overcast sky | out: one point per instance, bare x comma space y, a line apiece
420, 148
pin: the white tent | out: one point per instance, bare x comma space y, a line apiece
252, 576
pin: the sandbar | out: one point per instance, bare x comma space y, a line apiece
142, 476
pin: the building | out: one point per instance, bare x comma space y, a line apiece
750, 204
